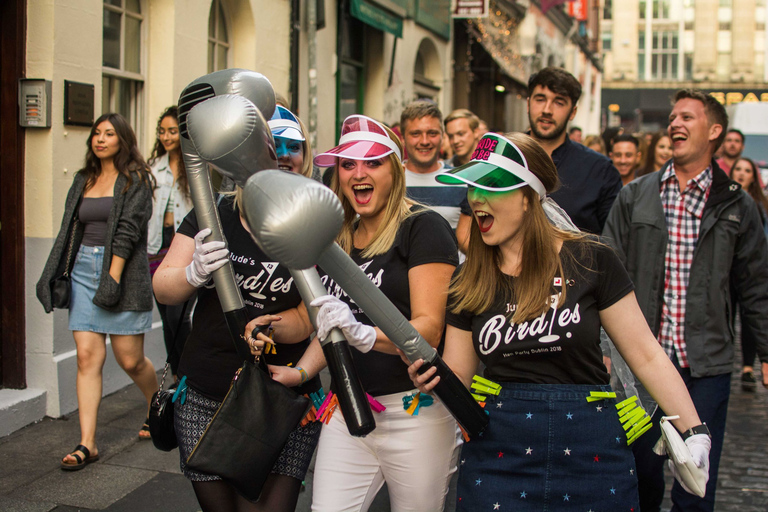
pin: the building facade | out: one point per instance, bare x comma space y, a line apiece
494, 56
654, 47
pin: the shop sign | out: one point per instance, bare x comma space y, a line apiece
731, 98
577, 9
377, 17
470, 9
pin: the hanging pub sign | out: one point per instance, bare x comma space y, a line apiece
470, 9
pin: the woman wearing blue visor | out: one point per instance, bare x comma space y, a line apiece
209, 360
529, 302
293, 151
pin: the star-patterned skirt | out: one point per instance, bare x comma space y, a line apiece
548, 449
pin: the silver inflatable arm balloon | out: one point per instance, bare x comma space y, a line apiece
296, 224
221, 123
218, 114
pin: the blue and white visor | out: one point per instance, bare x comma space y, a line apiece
285, 124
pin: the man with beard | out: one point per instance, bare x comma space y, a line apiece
589, 181
731, 150
422, 125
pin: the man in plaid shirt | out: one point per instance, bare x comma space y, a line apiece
714, 249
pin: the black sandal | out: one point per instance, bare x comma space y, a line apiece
81, 462
144, 434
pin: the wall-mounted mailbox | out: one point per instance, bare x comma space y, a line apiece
34, 103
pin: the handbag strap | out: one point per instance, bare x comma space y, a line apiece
173, 345
71, 247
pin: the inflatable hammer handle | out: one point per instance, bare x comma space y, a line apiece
452, 393
352, 399
201, 190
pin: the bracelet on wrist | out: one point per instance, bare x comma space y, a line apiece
304, 374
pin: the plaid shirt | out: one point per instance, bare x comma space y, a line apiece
683, 212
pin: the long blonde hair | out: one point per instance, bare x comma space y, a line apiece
474, 288
397, 210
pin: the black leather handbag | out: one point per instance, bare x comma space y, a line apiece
61, 285
248, 431
160, 419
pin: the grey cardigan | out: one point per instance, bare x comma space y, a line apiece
730, 255
126, 237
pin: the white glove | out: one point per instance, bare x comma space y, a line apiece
335, 313
699, 446
207, 258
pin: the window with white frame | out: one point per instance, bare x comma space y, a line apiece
122, 74
664, 55
218, 38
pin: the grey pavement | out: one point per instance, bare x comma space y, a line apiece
133, 476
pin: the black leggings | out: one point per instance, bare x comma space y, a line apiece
280, 494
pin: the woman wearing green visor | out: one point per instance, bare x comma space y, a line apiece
529, 302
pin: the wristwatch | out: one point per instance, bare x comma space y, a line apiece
699, 429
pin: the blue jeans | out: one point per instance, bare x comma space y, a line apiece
710, 396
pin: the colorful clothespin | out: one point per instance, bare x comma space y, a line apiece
376, 406
634, 420
594, 396
413, 402
181, 391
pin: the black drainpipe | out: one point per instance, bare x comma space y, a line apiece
295, 33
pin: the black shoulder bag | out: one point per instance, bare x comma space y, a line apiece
246, 435
61, 286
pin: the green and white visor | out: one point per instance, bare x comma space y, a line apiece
497, 165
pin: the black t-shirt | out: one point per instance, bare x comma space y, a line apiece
209, 360
541, 351
423, 238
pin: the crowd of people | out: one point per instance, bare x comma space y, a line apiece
507, 252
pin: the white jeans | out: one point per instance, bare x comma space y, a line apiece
415, 455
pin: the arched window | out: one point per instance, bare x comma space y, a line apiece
426, 71
122, 71
218, 38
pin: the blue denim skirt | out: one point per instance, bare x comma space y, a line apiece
84, 315
548, 449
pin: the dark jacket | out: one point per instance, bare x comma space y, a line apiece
731, 255
126, 237
589, 183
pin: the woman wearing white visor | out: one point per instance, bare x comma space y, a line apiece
409, 252
529, 302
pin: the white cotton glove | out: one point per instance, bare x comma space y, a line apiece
207, 258
335, 313
699, 446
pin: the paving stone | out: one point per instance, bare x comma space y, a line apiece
97, 486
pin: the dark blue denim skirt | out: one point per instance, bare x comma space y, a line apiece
548, 449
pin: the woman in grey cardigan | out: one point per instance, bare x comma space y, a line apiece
103, 238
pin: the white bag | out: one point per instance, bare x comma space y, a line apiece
691, 477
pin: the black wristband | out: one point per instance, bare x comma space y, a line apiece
699, 429
263, 329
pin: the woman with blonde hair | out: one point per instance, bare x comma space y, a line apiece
409, 252
529, 302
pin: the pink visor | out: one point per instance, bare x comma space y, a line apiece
362, 138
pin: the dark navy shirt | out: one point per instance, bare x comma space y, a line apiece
589, 185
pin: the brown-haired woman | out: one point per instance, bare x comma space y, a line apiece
171, 203
105, 224
746, 174
659, 152
529, 302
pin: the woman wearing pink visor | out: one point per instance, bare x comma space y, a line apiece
409, 252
